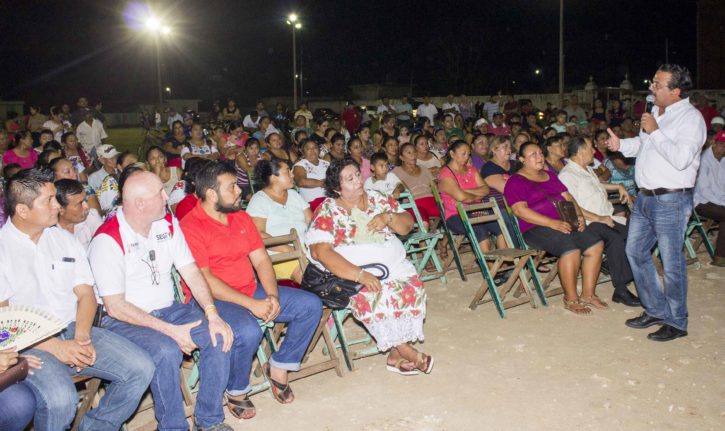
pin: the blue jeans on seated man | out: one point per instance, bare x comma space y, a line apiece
301, 311
17, 407
661, 220
127, 368
167, 356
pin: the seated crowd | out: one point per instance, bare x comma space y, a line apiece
93, 235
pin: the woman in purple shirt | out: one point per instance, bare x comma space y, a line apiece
530, 193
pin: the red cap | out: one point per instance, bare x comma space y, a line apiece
720, 136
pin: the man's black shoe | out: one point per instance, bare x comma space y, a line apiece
627, 298
667, 333
643, 321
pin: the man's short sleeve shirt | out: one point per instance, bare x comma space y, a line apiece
224, 249
42, 274
125, 262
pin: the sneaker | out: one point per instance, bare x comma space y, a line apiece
218, 427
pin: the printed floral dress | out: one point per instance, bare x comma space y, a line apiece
394, 315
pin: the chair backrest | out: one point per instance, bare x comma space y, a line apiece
293, 240
515, 227
484, 212
408, 203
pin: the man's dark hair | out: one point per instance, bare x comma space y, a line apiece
576, 143
332, 179
681, 78
561, 112
65, 188
52, 145
192, 167
266, 168
378, 157
11, 169
208, 177
24, 187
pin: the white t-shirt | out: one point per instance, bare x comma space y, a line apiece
96, 179
51, 125
386, 186
90, 135
142, 269
203, 150
491, 108
446, 106
318, 172
429, 111
85, 230
44, 274
249, 123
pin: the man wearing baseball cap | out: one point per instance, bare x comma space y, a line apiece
717, 124
709, 196
106, 154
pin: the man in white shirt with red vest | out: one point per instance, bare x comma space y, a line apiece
131, 257
668, 154
44, 266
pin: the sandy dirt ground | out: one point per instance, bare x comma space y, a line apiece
537, 369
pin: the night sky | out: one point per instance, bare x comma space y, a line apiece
54, 51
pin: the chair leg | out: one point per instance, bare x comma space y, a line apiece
89, 394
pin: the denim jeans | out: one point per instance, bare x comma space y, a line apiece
17, 406
301, 311
661, 220
122, 363
167, 356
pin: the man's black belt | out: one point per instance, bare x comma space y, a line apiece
662, 191
100, 314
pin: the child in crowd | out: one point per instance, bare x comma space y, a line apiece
383, 181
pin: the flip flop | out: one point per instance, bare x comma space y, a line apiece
282, 393
398, 368
241, 408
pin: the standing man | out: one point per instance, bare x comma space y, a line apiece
427, 110
668, 155
351, 117
403, 112
90, 132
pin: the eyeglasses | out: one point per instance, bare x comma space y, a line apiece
657, 85
154, 267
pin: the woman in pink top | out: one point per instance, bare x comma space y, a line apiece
22, 152
460, 182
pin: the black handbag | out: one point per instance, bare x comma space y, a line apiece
335, 292
566, 209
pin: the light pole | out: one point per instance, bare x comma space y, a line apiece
561, 54
293, 21
154, 26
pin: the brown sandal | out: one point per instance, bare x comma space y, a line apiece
424, 362
282, 393
241, 408
576, 307
594, 301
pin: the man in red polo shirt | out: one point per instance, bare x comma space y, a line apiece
228, 249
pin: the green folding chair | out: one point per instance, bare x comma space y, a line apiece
366, 345
420, 244
694, 225
541, 285
516, 290
455, 241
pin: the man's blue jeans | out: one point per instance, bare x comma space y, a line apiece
301, 311
661, 220
167, 356
17, 407
128, 368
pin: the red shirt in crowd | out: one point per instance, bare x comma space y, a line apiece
351, 118
185, 206
224, 249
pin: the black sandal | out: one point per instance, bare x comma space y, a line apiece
240, 408
282, 393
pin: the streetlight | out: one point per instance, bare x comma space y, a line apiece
156, 28
293, 21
